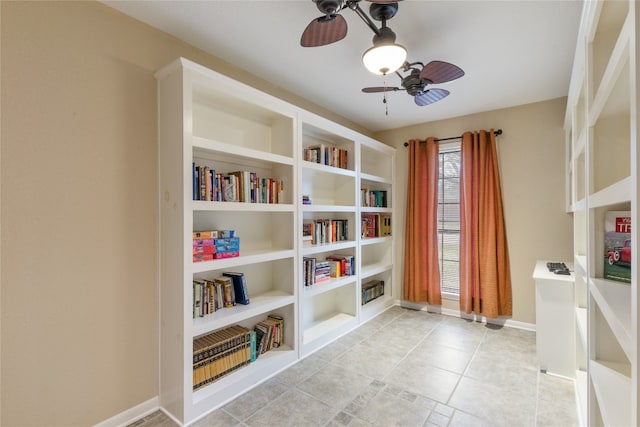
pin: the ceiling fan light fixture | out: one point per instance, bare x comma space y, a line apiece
384, 58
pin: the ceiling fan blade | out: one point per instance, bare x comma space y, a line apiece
376, 89
431, 96
324, 30
441, 72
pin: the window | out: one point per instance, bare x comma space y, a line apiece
449, 218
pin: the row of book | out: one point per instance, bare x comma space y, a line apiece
325, 231
375, 225
327, 155
224, 291
239, 186
372, 290
222, 352
334, 266
215, 244
373, 198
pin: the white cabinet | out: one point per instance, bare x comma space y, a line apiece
212, 122
555, 330
602, 159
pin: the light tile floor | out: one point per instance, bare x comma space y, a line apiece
407, 368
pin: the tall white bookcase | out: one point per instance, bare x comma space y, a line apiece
209, 119
602, 153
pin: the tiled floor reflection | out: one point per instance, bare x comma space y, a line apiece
408, 368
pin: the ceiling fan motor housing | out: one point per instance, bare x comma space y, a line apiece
329, 7
413, 84
383, 11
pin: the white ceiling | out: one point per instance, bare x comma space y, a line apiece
513, 52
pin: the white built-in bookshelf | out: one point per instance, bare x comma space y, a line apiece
211, 120
602, 161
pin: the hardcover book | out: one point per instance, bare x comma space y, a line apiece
239, 287
617, 246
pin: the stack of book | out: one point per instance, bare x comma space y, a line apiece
326, 230
376, 225
239, 186
327, 155
373, 198
269, 334
372, 290
216, 244
224, 291
220, 353
335, 266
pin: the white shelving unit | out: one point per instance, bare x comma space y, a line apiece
209, 119
331, 308
602, 160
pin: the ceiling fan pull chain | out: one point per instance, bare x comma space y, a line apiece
384, 96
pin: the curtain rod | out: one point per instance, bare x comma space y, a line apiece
495, 132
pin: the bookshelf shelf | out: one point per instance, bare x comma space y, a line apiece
608, 381
319, 248
327, 208
326, 325
251, 157
370, 270
614, 300
260, 304
328, 286
213, 129
601, 140
200, 205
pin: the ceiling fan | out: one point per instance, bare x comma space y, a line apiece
385, 56
420, 77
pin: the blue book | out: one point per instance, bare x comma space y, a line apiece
239, 287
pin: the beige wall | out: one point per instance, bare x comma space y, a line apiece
531, 155
79, 209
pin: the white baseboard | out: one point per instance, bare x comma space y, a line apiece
132, 414
456, 313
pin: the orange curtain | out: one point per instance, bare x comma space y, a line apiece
421, 267
485, 281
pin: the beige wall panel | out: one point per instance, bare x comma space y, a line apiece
531, 155
79, 208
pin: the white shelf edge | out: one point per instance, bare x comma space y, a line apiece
374, 209
325, 325
208, 206
248, 257
327, 286
618, 59
374, 178
318, 167
234, 150
582, 395
327, 247
580, 265
374, 240
259, 304
614, 301
328, 208
579, 205
581, 323
613, 392
367, 271
618, 192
